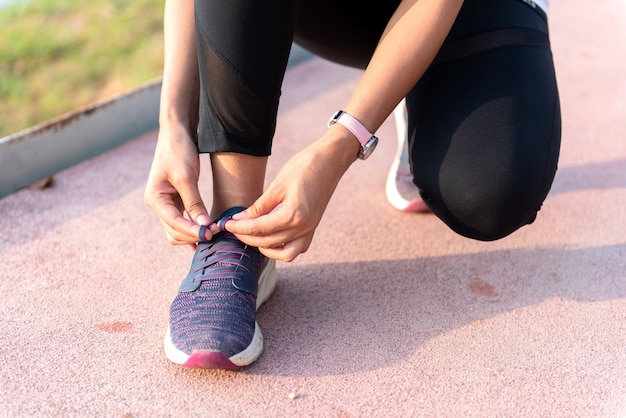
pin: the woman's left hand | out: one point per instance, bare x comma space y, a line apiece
283, 220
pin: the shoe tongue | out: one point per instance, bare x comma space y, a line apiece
230, 212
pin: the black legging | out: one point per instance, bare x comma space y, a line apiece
484, 120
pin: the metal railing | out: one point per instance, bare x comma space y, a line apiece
60, 143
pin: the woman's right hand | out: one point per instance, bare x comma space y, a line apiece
172, 187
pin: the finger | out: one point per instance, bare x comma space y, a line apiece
179, 228
269, 241
266, 241
174, 237
289, 251
265, 225
173, 241
192, 201
265, 204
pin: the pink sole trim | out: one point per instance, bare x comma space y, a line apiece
417, 206
210, 360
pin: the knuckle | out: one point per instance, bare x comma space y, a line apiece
147, 199
253, 211
175, 238
289, 258
171, 240
291, 254
254, 230
296, 218
303, 219
194, 207
179, 177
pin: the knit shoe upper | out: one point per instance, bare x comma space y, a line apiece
213, 316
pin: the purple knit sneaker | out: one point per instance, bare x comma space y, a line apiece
213, 317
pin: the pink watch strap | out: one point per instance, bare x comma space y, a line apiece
356, 127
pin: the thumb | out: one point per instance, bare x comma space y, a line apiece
192, 201
266, 203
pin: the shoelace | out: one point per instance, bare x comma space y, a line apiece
220, 222
230, 253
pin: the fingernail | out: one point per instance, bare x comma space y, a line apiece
238, 216
203, 220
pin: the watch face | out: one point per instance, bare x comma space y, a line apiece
334, 117
368, 149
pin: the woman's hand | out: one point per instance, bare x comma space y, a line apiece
283, 220
172, 187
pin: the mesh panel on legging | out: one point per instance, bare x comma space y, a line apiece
243, 48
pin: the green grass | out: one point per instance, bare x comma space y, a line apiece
57, 56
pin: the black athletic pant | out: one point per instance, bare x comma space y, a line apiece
484, 121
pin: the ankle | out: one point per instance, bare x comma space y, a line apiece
238, 180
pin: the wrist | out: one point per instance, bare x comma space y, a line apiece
365, 138
341, 145
171, 123
170, 118
178, 110
176, 134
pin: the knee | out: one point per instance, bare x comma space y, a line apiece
483, 214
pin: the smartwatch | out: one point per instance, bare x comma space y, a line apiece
367, 140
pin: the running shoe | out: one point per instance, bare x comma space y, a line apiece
401, 192
213, 317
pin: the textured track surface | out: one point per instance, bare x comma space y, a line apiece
388, 314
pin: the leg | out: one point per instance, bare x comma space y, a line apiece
485, 128
345, 32
243, 49
237, 180
242, 54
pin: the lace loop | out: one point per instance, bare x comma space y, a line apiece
220, 256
